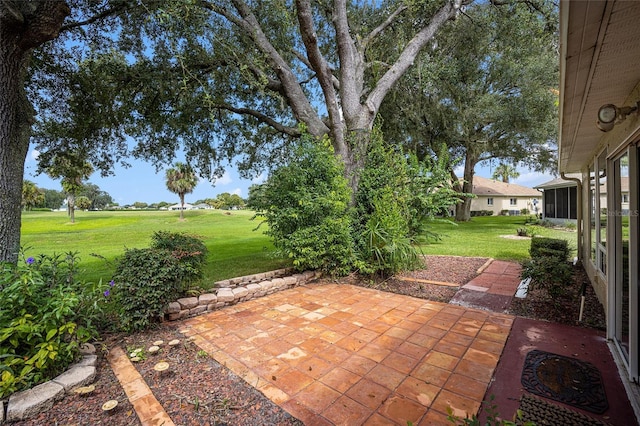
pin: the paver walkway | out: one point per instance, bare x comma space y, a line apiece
493, 289
341, 354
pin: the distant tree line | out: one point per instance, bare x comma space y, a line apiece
88, 197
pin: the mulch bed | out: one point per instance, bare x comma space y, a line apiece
199, 391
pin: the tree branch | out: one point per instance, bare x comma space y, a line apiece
263, 118
109, 12
410, 52
380, 28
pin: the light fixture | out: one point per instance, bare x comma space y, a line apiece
609, 115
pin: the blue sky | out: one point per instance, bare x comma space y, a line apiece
141, 182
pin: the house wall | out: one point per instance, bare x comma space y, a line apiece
503, 203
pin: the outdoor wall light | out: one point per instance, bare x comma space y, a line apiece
609, 115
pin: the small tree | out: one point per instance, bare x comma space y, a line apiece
505, 172
32, 196
83, 203
181, 180
73, 169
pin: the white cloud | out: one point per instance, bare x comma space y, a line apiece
532, 178
237, 191
225, 179
35, 154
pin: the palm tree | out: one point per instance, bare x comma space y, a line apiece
73, 169
31, 195
505, 172
181, 180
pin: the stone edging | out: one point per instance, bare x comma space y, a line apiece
235, 290
26, 403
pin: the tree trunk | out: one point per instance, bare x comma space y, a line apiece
16, 117
463, 209
71, 207
23, 26
181, 195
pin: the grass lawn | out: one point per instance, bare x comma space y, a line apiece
483, 237
235, 249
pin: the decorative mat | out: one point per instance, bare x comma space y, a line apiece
567, 380
542, 413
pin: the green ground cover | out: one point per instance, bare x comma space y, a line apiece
235, 249
484, 237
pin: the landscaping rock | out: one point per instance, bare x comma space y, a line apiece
27, 403
266, 285
197, 310
239, 292
207, 299
88, 361
87, 349
225, 295
253, 288
173, 308
188, 302
78, 375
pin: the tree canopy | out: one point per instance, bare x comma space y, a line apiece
216, 79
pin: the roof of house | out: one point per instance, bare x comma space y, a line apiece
559, 182
489, 187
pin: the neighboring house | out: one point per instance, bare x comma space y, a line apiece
600, 140
187, 206
499, 197
560, 199
202, 206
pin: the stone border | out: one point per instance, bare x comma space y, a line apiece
235, 290
29, 402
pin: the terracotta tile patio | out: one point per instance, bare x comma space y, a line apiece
340, 354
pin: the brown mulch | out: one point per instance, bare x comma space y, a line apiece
199, 391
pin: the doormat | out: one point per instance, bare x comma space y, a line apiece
567, 380
541, 412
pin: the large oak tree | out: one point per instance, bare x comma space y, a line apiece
215, 78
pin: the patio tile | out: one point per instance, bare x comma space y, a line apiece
368, 393
340, 379
358, 364
434, 418
418, 390
318, 396
466, 386
402, 410
346, 411
304, 414
450, 348
336, 354
385, 376
441, 360
374, 352
431, 374
292, 381
399, 362
461, 406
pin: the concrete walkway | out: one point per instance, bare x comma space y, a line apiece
346, 355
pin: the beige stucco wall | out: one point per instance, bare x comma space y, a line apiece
503, 203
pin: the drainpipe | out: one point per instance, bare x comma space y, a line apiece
578, 212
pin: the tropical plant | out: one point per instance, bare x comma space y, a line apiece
505, 172
32, 196
181, 180
45, 315
73, 169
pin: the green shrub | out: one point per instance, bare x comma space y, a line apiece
146, 280
188, 249
549, 274
548, 268
541, 247
306, 205
45, 315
